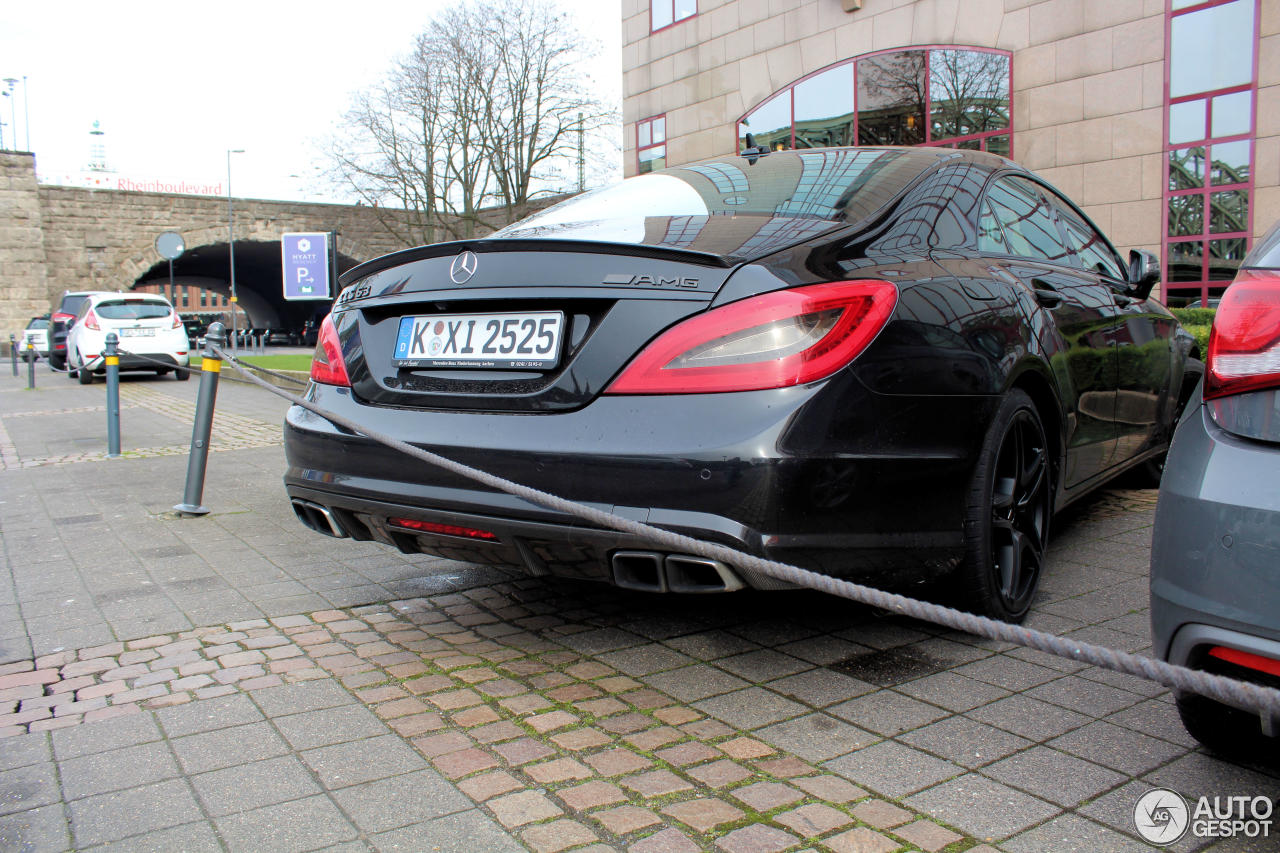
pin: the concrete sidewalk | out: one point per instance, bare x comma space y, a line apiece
237, 682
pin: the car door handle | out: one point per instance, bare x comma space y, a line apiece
1046, 295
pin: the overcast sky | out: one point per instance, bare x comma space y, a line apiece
175, 85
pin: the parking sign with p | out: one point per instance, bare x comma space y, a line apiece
305, 261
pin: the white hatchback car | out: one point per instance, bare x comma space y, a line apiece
151, 335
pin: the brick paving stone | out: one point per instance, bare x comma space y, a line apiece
407, 670
557, 835
601, 707
202, 667
238, 673
627, 819
108, 650
862, 840
578, 739
476, 675
656, 783
558, 770
282, 652
312, 638
381, 693
719, 774
831, 789
501, 688
496, 732
704, 814
756, 838
685, 754
455, 765
400, 708
223, 650
525, 704
648, 699
927, 835
589, 670
745, 747
55, 687
514, 810
168, 701
881, 815
454, 699
46, 725
525, 667
241, 659
787, 767
618, 684
676, 715
572, 692
121, 673
488, 785
361, 678
765, 796
140, 656
626, 723
148, 642
427, 684
549, 680
442, 744
591, 795
813, 819
653, 738
707, 729
523, 751
417, 724
476, 716
281, 667
140, 694
616, 761
212, 691
543, 723
157, 677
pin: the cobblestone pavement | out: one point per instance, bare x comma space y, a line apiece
237, 682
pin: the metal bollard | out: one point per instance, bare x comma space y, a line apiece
112, 356
30, 356
210, 367
13, 354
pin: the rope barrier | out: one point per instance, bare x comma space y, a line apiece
1264, 700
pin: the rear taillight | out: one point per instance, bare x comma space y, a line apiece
442, 529
177, 321
1270, 666
778, 339
1244, 344
327, 366
91, 321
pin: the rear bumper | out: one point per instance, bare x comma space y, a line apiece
871, 489
1215, 556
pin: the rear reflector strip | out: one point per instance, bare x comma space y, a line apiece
1247, 660
442, 529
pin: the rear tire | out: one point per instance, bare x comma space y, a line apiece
1007, 513
85, 375
181, 375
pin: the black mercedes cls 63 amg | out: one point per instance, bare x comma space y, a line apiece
891, 365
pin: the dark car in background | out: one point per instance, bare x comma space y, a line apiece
1215, 553
885, 364
61, 319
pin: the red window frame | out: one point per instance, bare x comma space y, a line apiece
640, 149
929, 142
674, 19
1202, 286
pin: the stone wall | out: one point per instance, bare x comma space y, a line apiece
1088, 79
23, 285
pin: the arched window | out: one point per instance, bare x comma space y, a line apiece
945, 96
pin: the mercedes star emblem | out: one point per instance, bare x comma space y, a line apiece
463, 267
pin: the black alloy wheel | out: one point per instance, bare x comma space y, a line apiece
1007, 520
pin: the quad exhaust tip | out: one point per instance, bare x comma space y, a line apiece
318, 518
652, 571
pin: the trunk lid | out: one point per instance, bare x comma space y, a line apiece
612, 301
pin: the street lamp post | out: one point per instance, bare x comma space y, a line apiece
231, 245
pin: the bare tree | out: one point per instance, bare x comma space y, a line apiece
475, 123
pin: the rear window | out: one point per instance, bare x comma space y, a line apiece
1266, 252
732, 207
71, 304
38, 323
132, 310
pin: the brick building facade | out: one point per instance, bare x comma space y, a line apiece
1160, 117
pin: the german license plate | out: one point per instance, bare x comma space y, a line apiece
528, 340
137, 333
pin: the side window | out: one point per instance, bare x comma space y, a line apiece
1029, 228
1093, 251
990, 235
